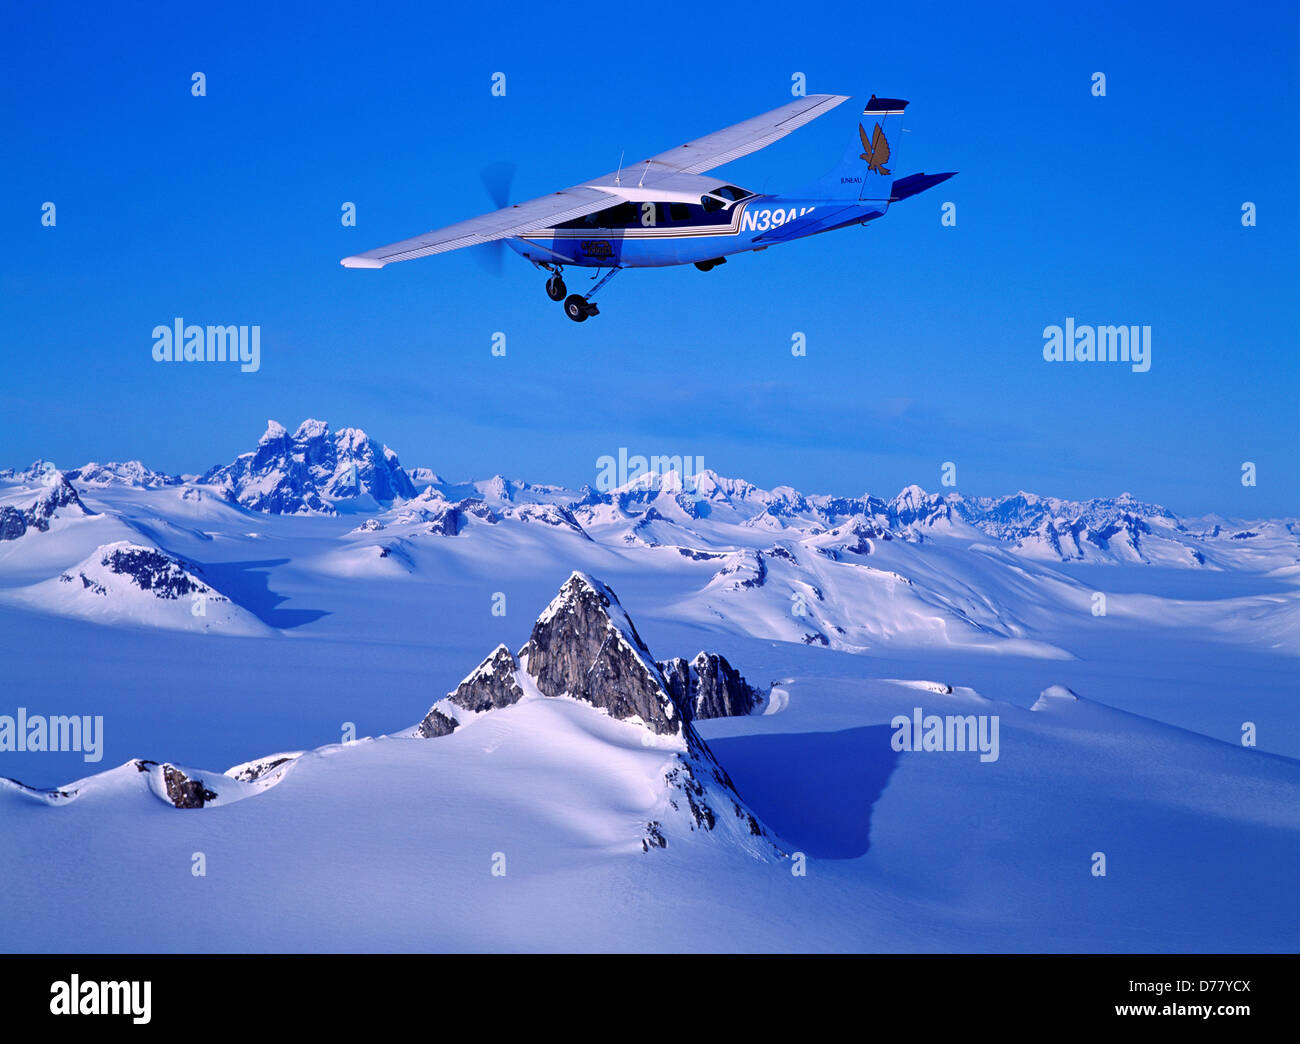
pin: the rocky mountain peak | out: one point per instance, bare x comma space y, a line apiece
311, 429
57, 493
709, 687
311, 470
585, 646
914, 505
493, 684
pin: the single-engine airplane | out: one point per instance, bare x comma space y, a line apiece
666, 211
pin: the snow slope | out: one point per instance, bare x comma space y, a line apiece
391, 843
353, 614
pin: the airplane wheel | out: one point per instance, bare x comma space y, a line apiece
555, 288
575, 307
704, 266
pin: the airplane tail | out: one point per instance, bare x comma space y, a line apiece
867, 171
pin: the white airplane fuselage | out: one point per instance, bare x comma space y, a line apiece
654, 235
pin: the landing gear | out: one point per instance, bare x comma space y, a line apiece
555, 288
705, 266
577, 308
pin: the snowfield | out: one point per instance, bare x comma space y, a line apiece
315, 598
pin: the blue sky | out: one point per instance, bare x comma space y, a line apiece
924, 342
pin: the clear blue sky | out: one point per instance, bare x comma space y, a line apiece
924, 342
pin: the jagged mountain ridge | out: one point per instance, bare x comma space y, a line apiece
585, 647
848, 573
316, 471
310, 470
58, 493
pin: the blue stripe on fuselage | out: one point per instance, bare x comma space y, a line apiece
646, 240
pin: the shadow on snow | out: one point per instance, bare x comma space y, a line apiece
815, 789
246, 584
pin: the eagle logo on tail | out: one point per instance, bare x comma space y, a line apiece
876, 150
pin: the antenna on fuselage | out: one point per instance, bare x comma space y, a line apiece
644, 173
618, 174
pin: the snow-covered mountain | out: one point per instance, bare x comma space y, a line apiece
583, 792
1118, 529
549, 825
54, 494
849, 573
319, 471
128, 473
583, 649
312, 470
129, 583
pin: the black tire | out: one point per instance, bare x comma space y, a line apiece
555, 288
704, 266
575, 307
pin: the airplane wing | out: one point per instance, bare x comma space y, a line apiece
543, 212
702, 154
713, 150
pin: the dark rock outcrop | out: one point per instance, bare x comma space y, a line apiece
585, 646
445, 520
151, 570
58, 494
709, 687
258, 769
12, 523
654, 836
184, 792
436, 724
493, 683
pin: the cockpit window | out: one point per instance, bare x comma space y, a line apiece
731, 192
722, 197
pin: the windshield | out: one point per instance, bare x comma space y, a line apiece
722, 197
731, 192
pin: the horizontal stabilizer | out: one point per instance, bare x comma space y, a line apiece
915, 183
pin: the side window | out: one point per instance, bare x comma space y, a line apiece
679, 211
653, 214
612, 217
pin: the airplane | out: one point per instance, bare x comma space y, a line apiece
666, 211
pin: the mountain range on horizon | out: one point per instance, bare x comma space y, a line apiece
315, 582
842, 572
316, 470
